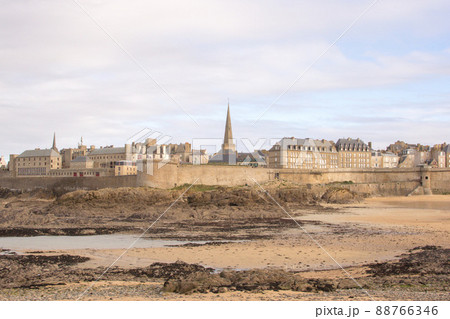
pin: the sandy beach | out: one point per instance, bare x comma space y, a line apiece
352, 236
378, 229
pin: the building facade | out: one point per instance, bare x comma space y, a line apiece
303, 154
198, 157
2, 162
37, 162
353, 153
123, 168
106, 157
383, 160
438, 154
447, 155
69, 154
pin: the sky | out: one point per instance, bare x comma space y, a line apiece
104, 70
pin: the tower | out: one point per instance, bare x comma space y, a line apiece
228, 137
227, 154
54, 143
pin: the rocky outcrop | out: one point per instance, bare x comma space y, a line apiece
249, 280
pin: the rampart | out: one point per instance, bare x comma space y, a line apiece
371, 181
67, 183
401, 181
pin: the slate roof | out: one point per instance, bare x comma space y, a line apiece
306, 142
108, 150
256, 156
351, 144
82, 159
224, 156
40, 153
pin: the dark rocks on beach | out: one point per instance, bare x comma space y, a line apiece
421, 260
169, 270
248, 280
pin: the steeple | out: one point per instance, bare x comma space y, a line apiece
228, 153
228, 138
54, 143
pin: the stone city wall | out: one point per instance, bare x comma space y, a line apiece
67, 183
370, 181
172, 175
440, 180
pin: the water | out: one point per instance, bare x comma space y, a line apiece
423, 204
114, 241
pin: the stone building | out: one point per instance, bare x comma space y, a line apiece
421, 157
143, 150
83, 166
182, 151
446, 149
399, 147
37, 162
376, 159
82, 162
407, 158
2, 162
383, 160
106, 157
353, 153
198, 157
12, 163
69, 154
255, 159
439, 155
125, 168
303, 154
390, 160
413, 157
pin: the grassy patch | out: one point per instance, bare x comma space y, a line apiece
197, 188
341, 183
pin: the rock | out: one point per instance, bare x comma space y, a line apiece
248, 280
340, 196
222, 290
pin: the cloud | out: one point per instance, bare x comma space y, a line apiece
60, 72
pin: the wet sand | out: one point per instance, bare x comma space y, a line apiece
354, 235
378, 229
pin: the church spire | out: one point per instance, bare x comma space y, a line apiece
228, 138
54, 143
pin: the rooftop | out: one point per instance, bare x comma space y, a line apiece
40, 153
285, 141
108, 150
81, 159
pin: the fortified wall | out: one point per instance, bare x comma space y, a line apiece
67, 183
371, 181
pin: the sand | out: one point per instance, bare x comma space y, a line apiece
378, 229
349, 236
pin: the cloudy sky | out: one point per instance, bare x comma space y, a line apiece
105, 70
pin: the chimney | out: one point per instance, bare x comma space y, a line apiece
370, 145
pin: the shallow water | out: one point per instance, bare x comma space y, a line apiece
114, 241
438, 205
